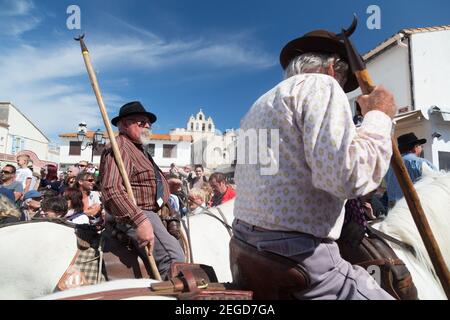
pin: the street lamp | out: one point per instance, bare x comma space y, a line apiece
96, 140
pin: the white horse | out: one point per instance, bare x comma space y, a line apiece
434, 193
102, 291
34, 256
209, 239
38, 254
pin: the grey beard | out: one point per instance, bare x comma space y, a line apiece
146, 137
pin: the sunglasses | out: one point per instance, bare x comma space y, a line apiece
6, 172
141, 123
90, 180
82, 166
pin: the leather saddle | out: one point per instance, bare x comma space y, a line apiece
250, 267
187, 282
121, 259
373, 251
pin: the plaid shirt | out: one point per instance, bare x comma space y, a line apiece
142, 179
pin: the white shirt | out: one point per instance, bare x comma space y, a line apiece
323, 159
81, 219
22, 174
94, 198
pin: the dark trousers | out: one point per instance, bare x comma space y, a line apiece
166, 250
332, 278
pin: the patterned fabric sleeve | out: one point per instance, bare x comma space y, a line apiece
114, 194
344, 161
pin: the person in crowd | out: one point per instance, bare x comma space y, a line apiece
75, 213
9, 182
83, 165
51, 180
208, 191
173, 172
92, 207
8, 194
31, 206
8, 212
186, 174
24, 175
295, 208
90, 168
140, 220
411, 149
175, 187
54, 207
200, 178
36, 181
222, 192
70, 179
197, 201
49, 193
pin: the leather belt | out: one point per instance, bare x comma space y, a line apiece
254, 228
259, 229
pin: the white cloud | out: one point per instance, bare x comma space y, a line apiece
50, 85
15, 7
17, 17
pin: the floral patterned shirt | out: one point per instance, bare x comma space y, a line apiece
322, 158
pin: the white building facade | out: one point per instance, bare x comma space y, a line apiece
214, 150
413, 64
167, 149
19, 135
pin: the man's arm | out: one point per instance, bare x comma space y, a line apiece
115, 196
116, 199
18, 191
344, 161
27, 185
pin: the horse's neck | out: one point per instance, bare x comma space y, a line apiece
40, 252
434, 194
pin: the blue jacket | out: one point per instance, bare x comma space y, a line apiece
413, 164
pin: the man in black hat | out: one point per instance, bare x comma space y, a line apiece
322, 160
149, 185
411, 149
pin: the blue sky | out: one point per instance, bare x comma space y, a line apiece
174, 56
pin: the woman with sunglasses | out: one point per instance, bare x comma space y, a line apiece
92, 205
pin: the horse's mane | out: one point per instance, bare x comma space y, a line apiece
434, 193
62, 222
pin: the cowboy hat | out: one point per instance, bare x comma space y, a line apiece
409, 140
134, 107
318, 41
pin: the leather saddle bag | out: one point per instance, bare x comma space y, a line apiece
250, 268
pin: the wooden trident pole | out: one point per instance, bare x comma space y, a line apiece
367, 86
112, 138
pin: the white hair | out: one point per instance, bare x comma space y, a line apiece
315, 62
197, 193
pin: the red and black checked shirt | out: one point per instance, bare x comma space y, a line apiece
142, 179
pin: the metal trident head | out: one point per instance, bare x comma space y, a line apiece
80, 38
346, 33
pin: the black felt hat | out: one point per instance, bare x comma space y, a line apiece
134, 107
318, 41
409, 140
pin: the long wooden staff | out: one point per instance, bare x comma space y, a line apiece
112, 138
367, 86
